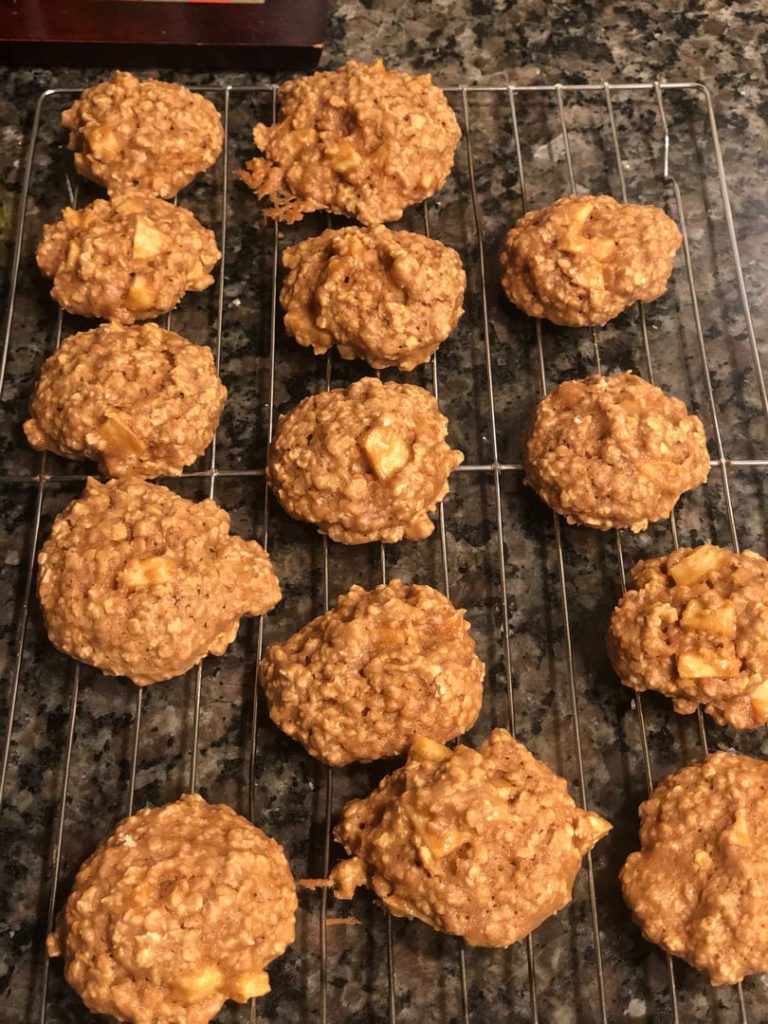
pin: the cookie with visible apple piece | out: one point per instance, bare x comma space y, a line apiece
126, 259
143, 583
485, 844
180, 909
583, 259
696, 886
141, 133
381, 668
139, 401
696, 629
364, 463
362, 141
613, 452
389, 297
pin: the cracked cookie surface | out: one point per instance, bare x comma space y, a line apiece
583, 259
613, 452
126, 259
132, 133
362, 142
696, 630
139, 401
383, 667
485, 844
143, 583
697, 887
180, 909
389, 297
364, 463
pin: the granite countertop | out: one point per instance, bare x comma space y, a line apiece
487, 42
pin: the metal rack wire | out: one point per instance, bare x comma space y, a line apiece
494, 470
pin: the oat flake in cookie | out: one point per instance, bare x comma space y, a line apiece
362, 142
142, 583
139, 401
364, 463
180, 909
126, 259
583, 259
156, 136
484, 843
389, 297
699, 885
383, 667
696, 630
613, 452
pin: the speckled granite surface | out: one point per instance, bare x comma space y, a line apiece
490, 42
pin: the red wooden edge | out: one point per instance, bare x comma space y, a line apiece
278, 26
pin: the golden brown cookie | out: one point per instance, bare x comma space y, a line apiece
696, 630
383, 667
696, 888
364, 463
157, 136
485, 843
139, 401
613, 452
180, 909
142, 583
583, 259
389, 297
362, 142
126, 259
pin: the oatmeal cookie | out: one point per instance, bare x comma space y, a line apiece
142, 583
613, 452
364, 463
180, 909
139, 401
126, 259
157, 136
389, 297
583, 259
696, 630
364, 680
485, 843
696, 887
362, 142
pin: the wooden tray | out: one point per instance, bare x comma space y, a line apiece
259, 34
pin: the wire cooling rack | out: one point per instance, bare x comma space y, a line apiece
82, 751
